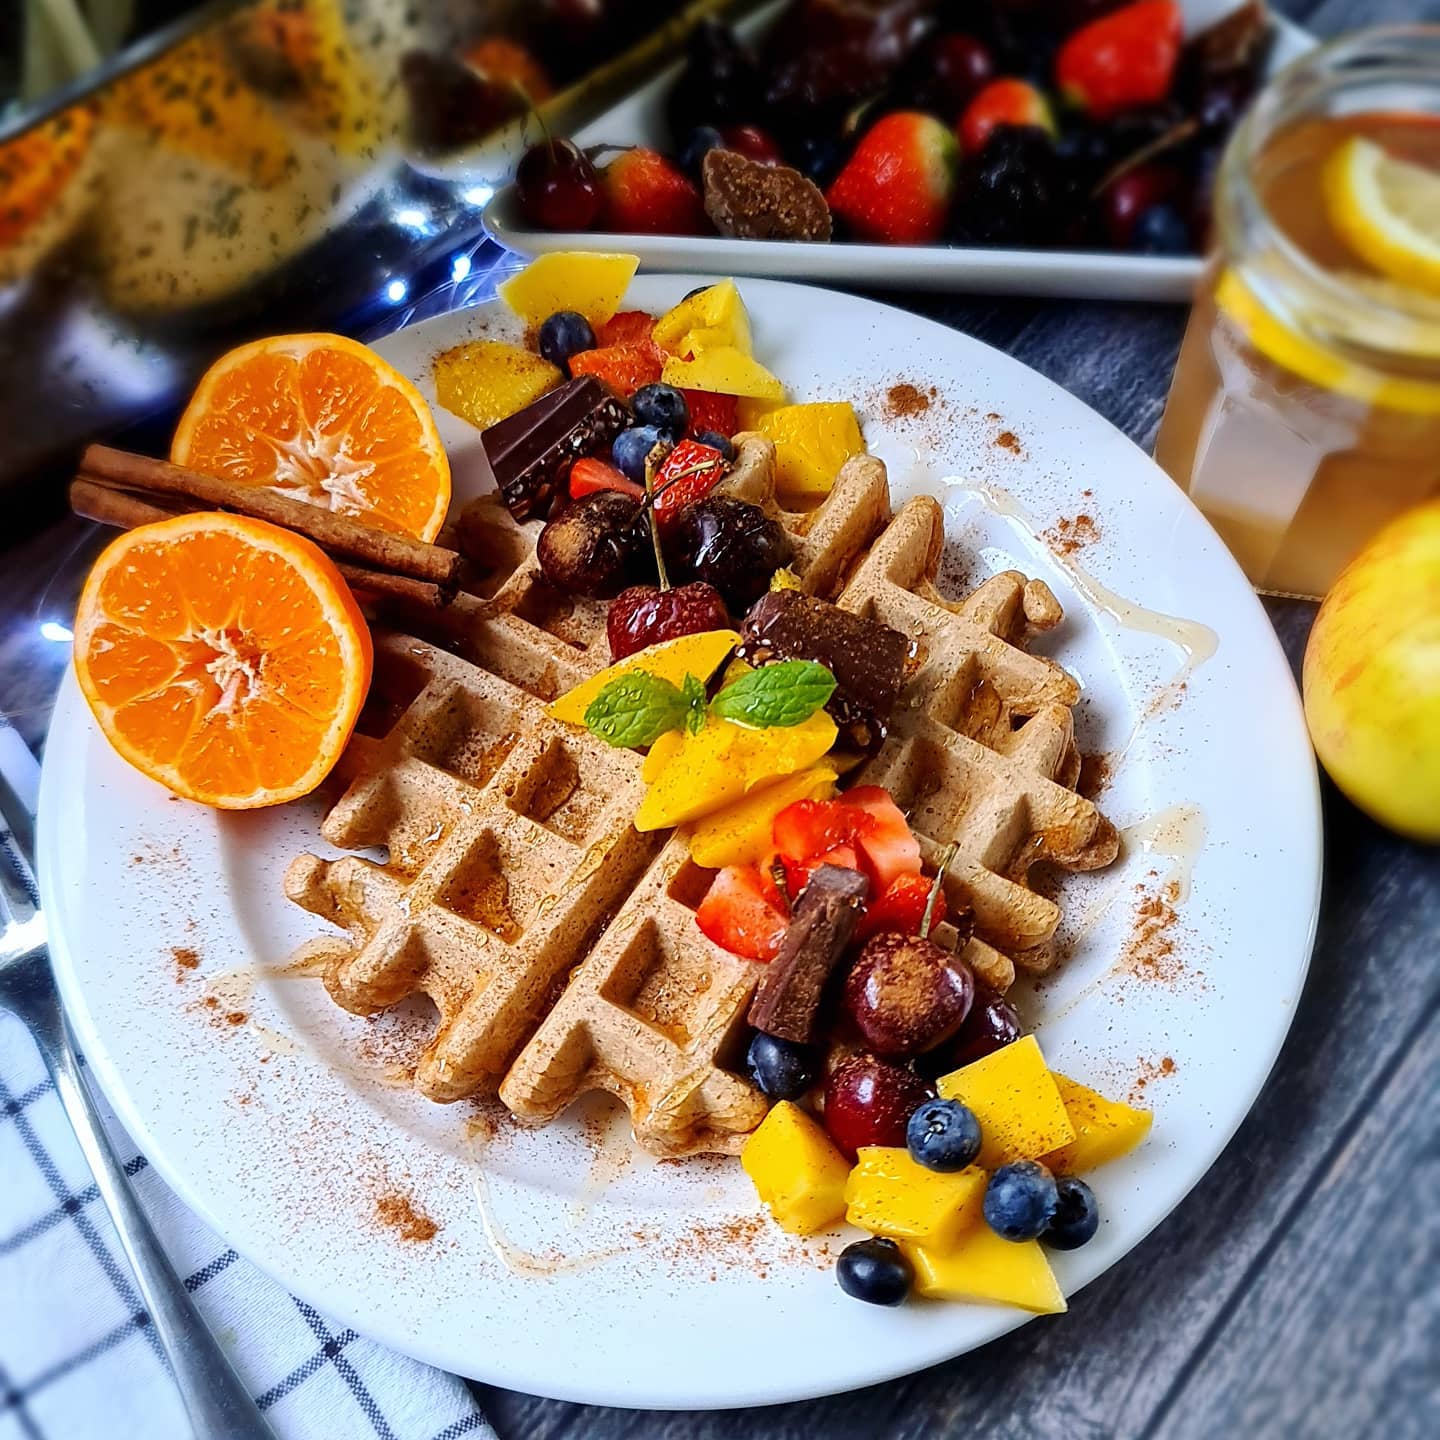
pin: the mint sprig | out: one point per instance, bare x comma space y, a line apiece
633, 711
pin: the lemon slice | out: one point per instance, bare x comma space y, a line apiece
1387, 211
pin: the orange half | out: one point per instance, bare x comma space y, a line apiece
223, 657
323, 419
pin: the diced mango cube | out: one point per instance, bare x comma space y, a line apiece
797, 1172
592, 283
982, 1266
1104, 1129
725, 762
890, 1194
723, 370
699, 655
713, 316
1016, 1100
744, 833
812, 442
483, 381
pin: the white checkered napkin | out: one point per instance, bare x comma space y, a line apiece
78, 1359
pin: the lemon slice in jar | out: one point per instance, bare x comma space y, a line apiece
1387, 211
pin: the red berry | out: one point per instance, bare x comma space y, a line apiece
887, 847
629, 327
709, 411
1003, 102
647, 194
558, 186
690, 472
1127, 198
897, 185
960, 67
587, 475
809, 828
869, 1101
798, 872
737, 915
901, 907
1122, 60
644, 615
907, 995
753, 143
624, 368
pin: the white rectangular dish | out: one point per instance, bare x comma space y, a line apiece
1078, 274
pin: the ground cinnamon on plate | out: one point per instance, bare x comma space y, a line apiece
399, 1213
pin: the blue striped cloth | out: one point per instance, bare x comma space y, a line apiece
78, 1357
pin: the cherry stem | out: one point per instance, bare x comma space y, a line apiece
654, 523
936, 886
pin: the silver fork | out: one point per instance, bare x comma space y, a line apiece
219, 1406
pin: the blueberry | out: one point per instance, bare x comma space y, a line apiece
703, 139
565, 333
1076, 1217
874, 1271
632, 446
782, 1069
662, 406
1020, 1200
1161, 230
716, 441
943, 1135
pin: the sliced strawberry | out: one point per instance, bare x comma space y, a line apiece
810, 828
587, 475
647, 194
798, 872
690, 472
900, 907
712, 412
888, 849
624, 368
629, 327
737, 915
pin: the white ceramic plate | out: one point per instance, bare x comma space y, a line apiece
564, 1263
1089, 275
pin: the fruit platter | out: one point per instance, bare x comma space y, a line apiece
597, 806
1065, 149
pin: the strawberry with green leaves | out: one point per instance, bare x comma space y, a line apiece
898, 184
646, 194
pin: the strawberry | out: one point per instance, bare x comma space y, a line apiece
1003, 102
898, 184
629, 327
708, 411
690, 472
887, 848
624, 368
900, 907
798, 872
1123, 59
587, 475
737, 915
810, 828
644, 193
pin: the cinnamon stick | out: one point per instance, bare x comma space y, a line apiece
340, 536
126, 511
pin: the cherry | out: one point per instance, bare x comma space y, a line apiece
993, 1023
595, 545
558, 186
960, 67
1127, 198
869, 1101
644, 615
753, 143
906, 994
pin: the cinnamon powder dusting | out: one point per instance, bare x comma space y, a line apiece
1150, 954
399, 1213
186, 959
1009, 440
1149, 1072
1069, 534
904, 400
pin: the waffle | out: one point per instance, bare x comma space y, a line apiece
557, 943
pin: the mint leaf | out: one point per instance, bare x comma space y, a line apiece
693, 693
635, 710
782, 694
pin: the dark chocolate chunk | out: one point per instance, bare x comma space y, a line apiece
787, 1003
751, 201
866, 658
530, 452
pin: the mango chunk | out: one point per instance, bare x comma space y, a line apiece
723, 370
1104, 1129
744, 833
483, 381
699, 655
725, 762
1016, 1100
982, 1266
662, 752
890, 1194
711, 317
798, 1174
593, 284
812, 442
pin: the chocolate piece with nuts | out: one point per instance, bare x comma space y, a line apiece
866, 658
751, 201
788, 1001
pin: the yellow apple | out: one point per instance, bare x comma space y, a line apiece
1372, 676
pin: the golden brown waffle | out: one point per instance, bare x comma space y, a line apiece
559, 945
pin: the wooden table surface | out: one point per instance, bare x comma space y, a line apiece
1294, 1293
